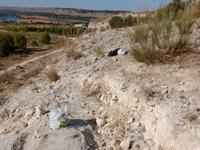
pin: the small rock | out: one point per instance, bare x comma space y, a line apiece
28, 115
114, 97
125, 144
101, 108
198, 42
100, 122
164, 91
103, 144
130, 120
83, 104
101, 98
22, 124
39, 111
136, 125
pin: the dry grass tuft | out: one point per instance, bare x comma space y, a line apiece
4, 114
71, 52
194, 10
191, 116
102, 29
52, 75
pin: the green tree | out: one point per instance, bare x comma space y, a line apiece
6, 44
19, 40
45, 39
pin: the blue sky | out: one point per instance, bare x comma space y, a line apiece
131, 5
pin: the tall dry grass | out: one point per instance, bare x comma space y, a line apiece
160, 37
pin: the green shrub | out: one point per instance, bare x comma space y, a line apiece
116, 22
6, 44
99, 50
174, 7
144, 52
130, 21
34, 43
45, 39
19, 40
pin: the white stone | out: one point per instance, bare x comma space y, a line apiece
100, 122
83, 104
198, 42
125, 144
101, 98
130, 120
39, 111
28, 115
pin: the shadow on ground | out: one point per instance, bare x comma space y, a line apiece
81, 122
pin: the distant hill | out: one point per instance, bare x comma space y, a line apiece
62, 11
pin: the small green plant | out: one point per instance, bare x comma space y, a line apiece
99, 50
52, 75
32, 73
45, 39
49, 47
34, 43
5, 78
15, 56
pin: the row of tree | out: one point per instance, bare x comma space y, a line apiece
67, 31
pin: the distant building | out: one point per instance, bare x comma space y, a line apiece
80, 25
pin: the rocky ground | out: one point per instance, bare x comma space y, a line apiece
115, 103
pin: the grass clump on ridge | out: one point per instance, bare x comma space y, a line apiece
52, 75
160, 37
71, 52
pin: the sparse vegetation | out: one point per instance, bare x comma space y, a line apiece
116, 22
45, 39
71, 52
130, 21
6, 44
19, 40
191, 116
99, 50
34, 43
102, 29
52, 75
158, 38
4, 114
32, 73
194, 10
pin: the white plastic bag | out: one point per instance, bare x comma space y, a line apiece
121, 52
58, 117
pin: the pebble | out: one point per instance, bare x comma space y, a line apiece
39, 111
100, 122
125, 144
